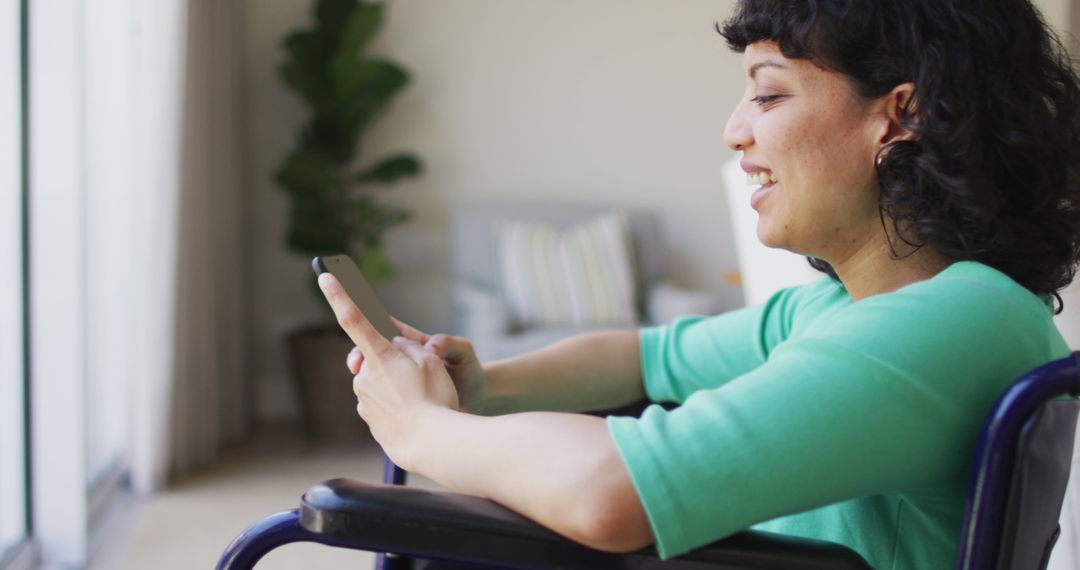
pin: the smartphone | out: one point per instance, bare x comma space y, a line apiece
359, 290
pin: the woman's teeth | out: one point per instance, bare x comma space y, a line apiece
760, 178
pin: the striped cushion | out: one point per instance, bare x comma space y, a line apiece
579, 275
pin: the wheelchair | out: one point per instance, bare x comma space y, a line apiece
1017, 486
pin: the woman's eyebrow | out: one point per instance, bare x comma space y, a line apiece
767, 63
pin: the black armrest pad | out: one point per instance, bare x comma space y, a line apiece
428, 524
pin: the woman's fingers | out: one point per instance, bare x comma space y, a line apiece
355, 324
453, 349
410, 332
437, 386
444, 346
415, 351
354, 360
450, 348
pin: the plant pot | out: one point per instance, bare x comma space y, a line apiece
323, 383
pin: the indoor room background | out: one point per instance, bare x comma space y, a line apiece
161, 291
617, 103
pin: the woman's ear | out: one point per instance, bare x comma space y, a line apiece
899, 104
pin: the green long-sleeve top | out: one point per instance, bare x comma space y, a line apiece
818, 416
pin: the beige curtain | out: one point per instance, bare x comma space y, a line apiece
210, 394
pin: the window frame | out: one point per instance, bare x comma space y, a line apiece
23, 554
24, 165
55, 267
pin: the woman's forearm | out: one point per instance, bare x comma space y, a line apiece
560, 470
591, 371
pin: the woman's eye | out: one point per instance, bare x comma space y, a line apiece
763, 100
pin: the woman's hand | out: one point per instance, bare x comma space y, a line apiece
459, 359
397, 383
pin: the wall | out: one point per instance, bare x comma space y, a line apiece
609, 101
1074, 25
1056, 12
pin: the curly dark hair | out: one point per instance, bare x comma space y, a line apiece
993, 172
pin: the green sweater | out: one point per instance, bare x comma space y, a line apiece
817, 416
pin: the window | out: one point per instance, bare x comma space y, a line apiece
83, 122
13, 459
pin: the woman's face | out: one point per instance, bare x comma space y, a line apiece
809, 143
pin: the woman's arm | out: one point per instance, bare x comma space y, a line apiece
561, 470
592, 371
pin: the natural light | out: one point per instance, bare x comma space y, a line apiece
12, 443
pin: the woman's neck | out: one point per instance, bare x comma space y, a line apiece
875, 268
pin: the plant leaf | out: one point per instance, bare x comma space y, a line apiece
303, 70
368, 82
306, 173
370, 219
359, 28
330, 134
375, 265
372, 92
391, 169
331, 15
316, 227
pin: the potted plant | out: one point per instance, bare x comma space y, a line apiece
334, 206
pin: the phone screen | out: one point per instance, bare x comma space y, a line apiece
359, 290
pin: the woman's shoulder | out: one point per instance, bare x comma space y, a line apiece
969, 310
968, 303
808, 300
970, 289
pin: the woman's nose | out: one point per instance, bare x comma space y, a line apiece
737, 133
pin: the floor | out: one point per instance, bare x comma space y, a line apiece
190, 524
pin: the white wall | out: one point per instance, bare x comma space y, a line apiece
610, 101
1056, 12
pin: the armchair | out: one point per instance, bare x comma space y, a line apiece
1019, 473
481, 312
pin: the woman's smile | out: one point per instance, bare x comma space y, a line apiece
762, 181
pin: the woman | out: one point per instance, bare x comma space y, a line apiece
923, 153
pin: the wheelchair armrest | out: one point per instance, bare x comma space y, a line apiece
442, 525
